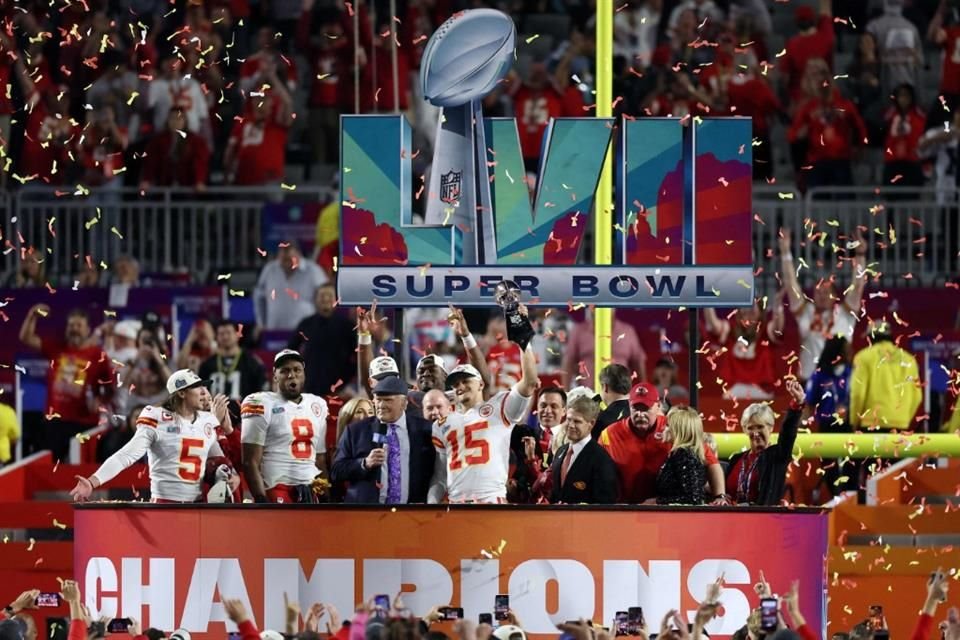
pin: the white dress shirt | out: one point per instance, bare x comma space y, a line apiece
404, 438
577, 447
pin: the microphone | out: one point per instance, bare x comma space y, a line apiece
380, 435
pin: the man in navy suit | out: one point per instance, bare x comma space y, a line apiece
582, 470
387, 459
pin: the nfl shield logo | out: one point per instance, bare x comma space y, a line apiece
450, 186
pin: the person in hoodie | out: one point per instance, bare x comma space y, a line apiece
885, 384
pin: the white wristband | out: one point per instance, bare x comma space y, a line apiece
469, 341
364, 339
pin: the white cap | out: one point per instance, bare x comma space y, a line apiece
180, 380
127, 329
270, 634
462, 371
508, 631
287, 353
382, 367
180, 634
431, 360
577, 392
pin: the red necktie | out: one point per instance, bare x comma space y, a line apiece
567, 460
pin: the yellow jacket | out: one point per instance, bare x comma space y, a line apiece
9, 432
884, 388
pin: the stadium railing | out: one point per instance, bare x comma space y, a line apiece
167, 230
909, 233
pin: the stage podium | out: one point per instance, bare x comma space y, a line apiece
171, 565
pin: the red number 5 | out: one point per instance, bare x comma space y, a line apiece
190, 463
477, 451
302, 446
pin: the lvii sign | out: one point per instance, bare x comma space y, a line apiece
683, 209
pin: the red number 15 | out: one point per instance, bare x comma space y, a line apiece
477, 450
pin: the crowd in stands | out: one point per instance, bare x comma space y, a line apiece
376, 620
151, 94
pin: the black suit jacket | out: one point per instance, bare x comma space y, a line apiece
592, 478
618, 410
357, 441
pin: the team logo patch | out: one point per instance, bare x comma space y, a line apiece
277, 410
167, 416
173, 429
207, 429
486, 411
317, 409
579, 485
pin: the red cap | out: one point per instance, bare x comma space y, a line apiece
804, 13
644, 393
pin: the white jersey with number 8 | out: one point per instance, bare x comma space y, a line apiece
475, 447
177, 452
291, 434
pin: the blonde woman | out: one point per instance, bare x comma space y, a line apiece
355, 410
684, 473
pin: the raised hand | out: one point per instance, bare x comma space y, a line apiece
784, 241
82, 491
795, 389
235, 610
457, 322
221, 409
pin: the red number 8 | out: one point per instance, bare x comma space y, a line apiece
302, 446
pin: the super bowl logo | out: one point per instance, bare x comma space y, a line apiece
683, 231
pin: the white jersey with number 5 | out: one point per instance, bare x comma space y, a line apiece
291, 434
475, 447
176, 449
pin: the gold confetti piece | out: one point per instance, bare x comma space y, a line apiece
59, 525
42, 312
532, 38
323, 76
785, 196
237, 293
82, 437
6, 538
116, 232
133, 96
288, 187
224, 276
32, 543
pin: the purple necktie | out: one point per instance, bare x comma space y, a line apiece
394, 490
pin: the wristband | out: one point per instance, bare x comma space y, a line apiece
469, 341
364, 339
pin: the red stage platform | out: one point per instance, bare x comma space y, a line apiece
170, 565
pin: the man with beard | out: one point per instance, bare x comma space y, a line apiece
79, 381
747, 366
284, 435
473, 443
639, 445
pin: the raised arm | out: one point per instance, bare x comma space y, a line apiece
715, 325
791, 424
28, 330
788, 271
858, 265
474, 352
366, 324
528, 369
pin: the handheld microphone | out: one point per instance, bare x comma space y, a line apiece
380, 435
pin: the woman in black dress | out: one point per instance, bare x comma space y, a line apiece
684, 474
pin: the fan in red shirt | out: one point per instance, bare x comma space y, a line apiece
176, 157
639, 445
815, 40
79, 380
944, 31
747, 365
539, 98
748, 94
832, 126
100, 148
905, 124
255, 154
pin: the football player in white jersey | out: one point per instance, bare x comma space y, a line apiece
284, 436
177, 438
473, 443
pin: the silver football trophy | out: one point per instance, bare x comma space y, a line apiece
519, 329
